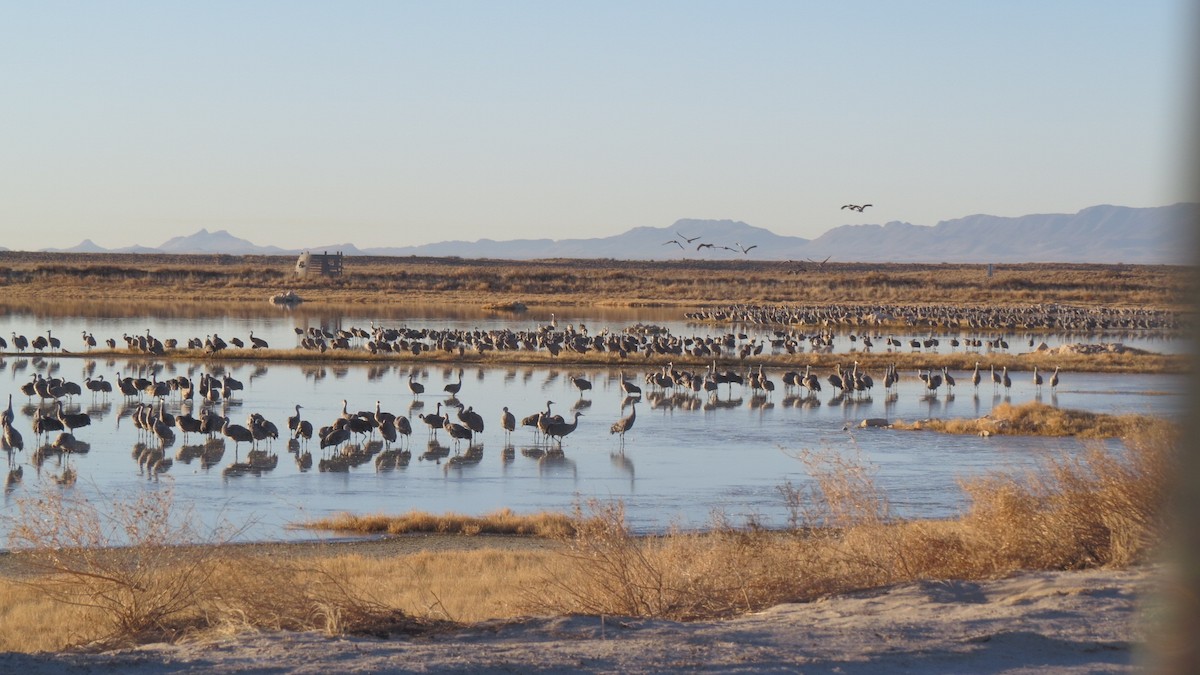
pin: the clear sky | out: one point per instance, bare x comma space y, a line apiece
399, 123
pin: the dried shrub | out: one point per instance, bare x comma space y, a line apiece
144, 572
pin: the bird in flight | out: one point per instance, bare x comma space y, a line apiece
856, 207
745, 249
700, 246
819, 264
673, 241
689, 240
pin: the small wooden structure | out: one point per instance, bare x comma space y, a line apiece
325, 264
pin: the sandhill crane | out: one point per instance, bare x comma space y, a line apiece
43, 425
257, 343
237, 433
890, 377
187, 425
1037, 379
1054, 379
560, 429
55, 343
335, 437
975, 377
12, 438
293, 422
434, 421
508, 421
1007, 380
304, 430
229, 384
98, 385
948, 379
73, 421
534, 419
457, 431
89, 340
811, 382
162, 431
454, 387
582, 384
996, 381
7, 416
629, 388
261, 427
625, 423
415, 387
472, 419
388, 431
835, 379
403, 426
20, 342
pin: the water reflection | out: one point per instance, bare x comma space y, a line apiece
684, 443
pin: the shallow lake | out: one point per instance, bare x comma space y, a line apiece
687, 457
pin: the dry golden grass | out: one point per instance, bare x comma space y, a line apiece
504, 521
1092, 509
1038, 419
382, 280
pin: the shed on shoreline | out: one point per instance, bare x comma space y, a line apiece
326, 264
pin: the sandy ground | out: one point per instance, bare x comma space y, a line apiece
1063, 622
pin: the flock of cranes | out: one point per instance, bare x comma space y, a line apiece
687, 242
199, 398
684, 242
346, 440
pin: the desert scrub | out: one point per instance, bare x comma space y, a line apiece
139, 570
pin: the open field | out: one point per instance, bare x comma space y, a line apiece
1093, 511
381, 280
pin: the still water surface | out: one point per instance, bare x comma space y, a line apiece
686, 457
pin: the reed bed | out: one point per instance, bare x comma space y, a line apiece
1096, 508
503, 521
1038, 419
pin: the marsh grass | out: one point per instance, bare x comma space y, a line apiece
503, 521
1095, 508
1089, 510
132, 571
1038, 419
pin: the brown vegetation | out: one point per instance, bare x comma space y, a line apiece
1038, 419
392, 280
504, 521
1094, 509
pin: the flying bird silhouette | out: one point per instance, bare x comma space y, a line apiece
745, 249
689, 240
700, 246
856, 207
673, 241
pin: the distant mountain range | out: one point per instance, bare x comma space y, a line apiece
1099, 234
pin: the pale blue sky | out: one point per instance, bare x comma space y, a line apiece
400, 123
